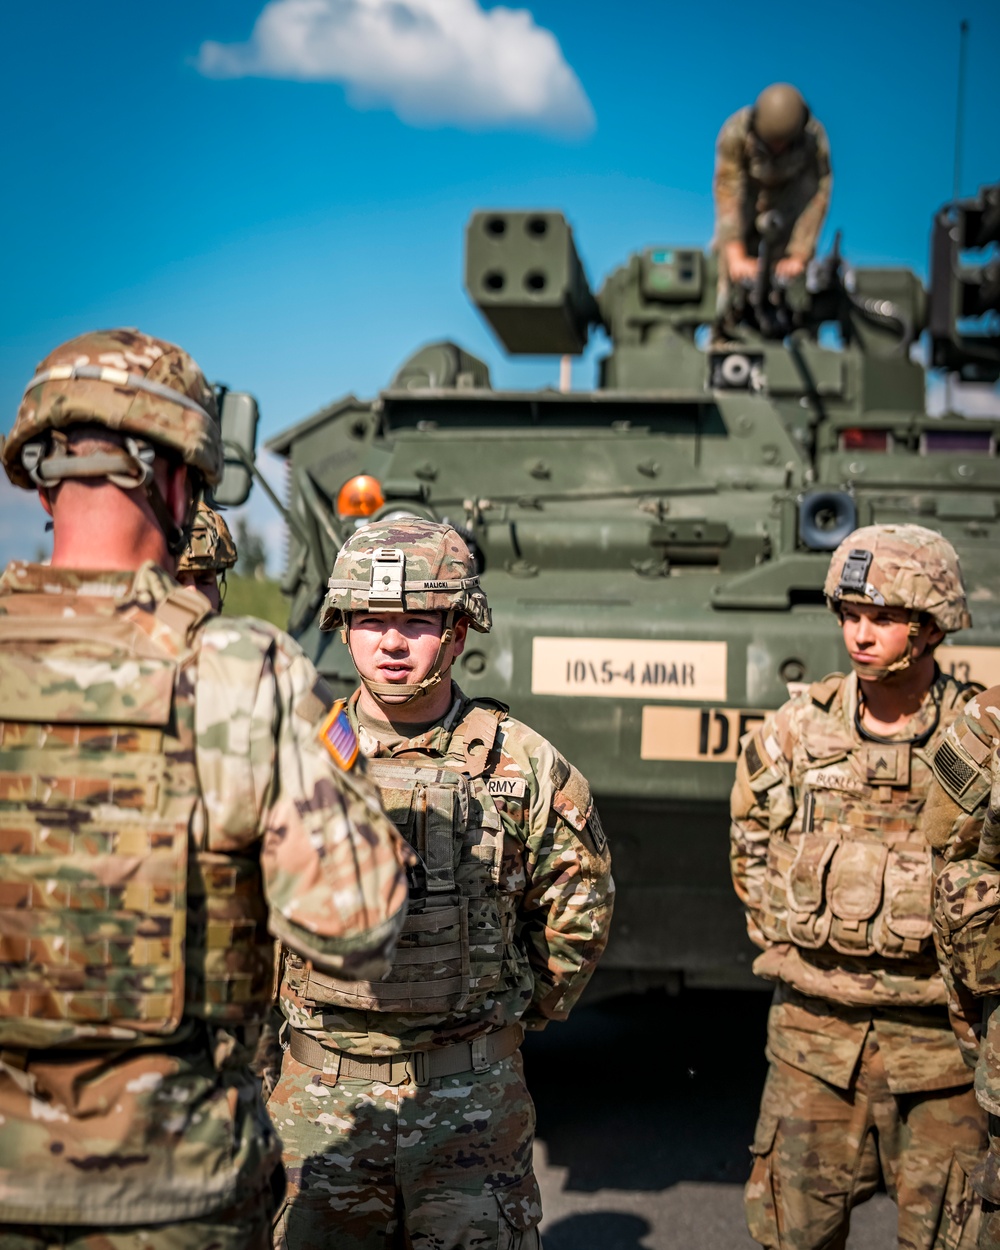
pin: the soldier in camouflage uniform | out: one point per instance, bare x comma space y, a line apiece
772, 156
962, 820
210, 551
402, 1103
166, 805
865, 1074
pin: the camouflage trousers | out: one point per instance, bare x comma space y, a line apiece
245, 1227
987, 1183
443, 1166
818, 1152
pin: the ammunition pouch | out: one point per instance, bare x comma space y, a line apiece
860, 897
847, 875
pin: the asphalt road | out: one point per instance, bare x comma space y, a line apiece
646, 1105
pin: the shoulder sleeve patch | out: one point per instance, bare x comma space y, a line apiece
338, 736
960, 774
596, 831
756, 762
572, 800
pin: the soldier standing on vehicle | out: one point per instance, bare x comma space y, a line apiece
166, 806
771, 157
865, 1073
402, 1103
962, 820
210, 551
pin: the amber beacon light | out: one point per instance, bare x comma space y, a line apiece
360, 497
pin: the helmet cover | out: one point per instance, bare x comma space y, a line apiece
405, 565
210, 546
127, 381
900, 566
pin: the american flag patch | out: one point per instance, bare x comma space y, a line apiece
338, 737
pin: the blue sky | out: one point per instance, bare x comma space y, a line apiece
300, 237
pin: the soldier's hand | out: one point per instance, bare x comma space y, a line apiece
789, 268
743, 268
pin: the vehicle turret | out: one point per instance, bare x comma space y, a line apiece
654, 547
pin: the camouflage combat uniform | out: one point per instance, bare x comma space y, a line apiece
961, 820
166, 805
750, 180
402, 1104
865, 1074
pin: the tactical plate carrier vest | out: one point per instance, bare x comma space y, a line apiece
117, 919
457, 945
850, 873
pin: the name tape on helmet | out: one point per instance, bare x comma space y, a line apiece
116, 377
459, 583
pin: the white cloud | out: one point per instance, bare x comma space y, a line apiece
433, 61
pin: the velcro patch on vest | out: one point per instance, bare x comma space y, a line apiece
338, 736
974, 746
761, 755
835, 779
888, 764
507, 787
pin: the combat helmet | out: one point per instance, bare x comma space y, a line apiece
210, 546
407, 564
146, 388
899, 566
780, 114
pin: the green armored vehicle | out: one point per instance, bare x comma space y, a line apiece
653, 549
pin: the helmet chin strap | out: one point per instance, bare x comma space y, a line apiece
410, 691
884, 672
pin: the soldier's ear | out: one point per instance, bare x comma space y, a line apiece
461, 630
176, 491
933, 633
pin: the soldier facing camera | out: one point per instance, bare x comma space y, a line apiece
402, 1102
866, 1079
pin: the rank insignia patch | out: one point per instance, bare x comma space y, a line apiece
338, 737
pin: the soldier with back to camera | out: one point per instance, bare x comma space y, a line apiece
865, 1074
962, 820
166, 805
210, 552
771, 157
402, 1103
